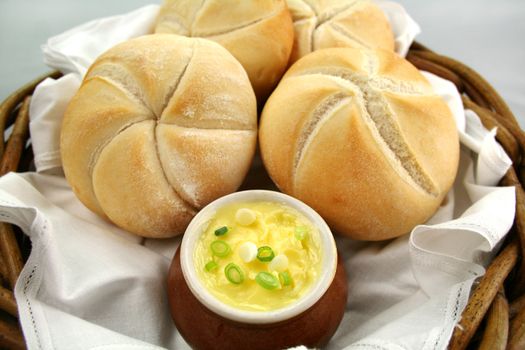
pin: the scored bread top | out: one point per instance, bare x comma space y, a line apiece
210, 18
320, 24
368, 143
259, 34
157, 130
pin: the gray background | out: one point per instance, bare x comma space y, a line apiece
487, 35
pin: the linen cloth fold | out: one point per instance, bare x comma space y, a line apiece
90, 285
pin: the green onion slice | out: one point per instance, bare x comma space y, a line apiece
301, 232
234, 273
221, 231
220, 248
210, 266
265, 253
267, 280
285, 278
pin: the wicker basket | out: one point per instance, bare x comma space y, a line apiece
495, 315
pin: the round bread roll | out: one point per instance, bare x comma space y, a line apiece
321, 24
360, 136
258, 33
157, 130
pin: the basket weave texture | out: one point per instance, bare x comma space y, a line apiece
495, 315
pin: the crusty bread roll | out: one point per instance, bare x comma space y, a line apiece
258, 33
157, 130
360, 136
321, 24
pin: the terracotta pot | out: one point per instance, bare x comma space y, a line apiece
207, 323
204, 329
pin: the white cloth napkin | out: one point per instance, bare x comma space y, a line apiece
90, 285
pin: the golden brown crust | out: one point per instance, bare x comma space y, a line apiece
259, 34
145, 141
131, 186
360, 136
338, 23
203, 155
286, 115
93, 126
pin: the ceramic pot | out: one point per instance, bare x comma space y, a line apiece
207, 323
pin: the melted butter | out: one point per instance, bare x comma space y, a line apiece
275, 226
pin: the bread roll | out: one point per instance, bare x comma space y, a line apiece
360, 136
321, 24
258, 33
157, 130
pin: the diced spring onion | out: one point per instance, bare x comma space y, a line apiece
220, 248
245, 216
247, 251
221, 231
267, 280
279, 263
234, 273
210, 266
265, 253
285, 278
301, 232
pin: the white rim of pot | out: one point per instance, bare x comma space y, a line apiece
318, 289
